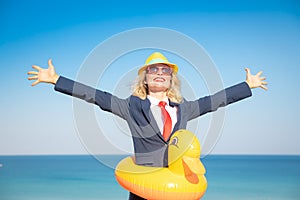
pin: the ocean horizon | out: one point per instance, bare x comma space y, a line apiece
62, 177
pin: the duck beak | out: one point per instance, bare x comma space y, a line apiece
193, 165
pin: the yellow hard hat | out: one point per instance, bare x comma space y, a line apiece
156, 58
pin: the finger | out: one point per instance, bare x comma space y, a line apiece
263, 78
264, 87
247, 70
33, 72
264, 83
32, 77
50, 62
259, 73
36, 82
36, 67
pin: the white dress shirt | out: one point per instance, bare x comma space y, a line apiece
156, 111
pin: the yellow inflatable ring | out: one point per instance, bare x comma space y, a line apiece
182, 179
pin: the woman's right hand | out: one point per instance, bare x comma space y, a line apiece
43, 75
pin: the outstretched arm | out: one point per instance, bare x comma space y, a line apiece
104, 100
255, 81
43, 75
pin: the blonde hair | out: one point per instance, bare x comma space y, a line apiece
140, 88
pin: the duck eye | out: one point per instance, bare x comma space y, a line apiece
174, 141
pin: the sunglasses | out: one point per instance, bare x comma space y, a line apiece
155, 70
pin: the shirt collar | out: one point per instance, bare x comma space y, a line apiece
155, 101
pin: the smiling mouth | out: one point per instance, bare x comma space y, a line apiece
159, 79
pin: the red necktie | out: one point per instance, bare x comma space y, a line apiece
167, 120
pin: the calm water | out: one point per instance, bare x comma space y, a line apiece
84, 177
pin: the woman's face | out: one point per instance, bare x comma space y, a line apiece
158, 77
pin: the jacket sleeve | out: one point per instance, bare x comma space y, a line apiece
104, 100
220, 99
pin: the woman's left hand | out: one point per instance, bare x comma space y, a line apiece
255, 81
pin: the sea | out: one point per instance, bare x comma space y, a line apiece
86, 177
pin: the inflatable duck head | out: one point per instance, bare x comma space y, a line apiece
184, 154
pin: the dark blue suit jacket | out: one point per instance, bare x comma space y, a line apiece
149, 146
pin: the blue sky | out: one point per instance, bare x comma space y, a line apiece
262, 35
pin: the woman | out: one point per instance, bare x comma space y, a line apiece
156, 108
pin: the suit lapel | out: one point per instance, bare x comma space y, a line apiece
149, 116
177, 125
